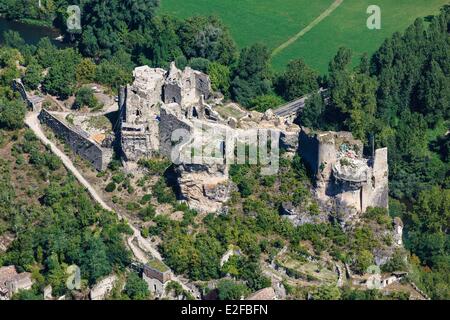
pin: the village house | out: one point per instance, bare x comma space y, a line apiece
11, 282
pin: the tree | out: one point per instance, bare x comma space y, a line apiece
200, 64
112, 74
147, 213
326, 293
13, 39
95, 262
12, 114
364, 260
265, 102
161, 44
33, 76
136, 288
313, 115
245, 188
85, 97
110, 187
220, 77
85, 71
61, 78
46, 52
108, 24
231, 290
252, 75
353, 95
207, 37
434, 94
341, 60
297, 81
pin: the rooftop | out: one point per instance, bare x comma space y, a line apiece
157, 265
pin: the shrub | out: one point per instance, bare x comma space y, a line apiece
110, 187
147, 213
85, 97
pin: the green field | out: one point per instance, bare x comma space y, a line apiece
274, 22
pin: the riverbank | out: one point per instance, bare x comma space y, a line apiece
31, 22
30, 30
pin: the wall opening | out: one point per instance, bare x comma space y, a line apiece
361, 199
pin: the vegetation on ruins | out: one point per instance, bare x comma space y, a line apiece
399, 97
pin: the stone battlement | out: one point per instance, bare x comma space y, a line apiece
160, 106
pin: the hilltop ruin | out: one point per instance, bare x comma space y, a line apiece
168, 113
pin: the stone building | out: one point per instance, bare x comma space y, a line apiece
263, 295
175, 114
142, 100
157, 275
346, 181
104, 287
11, 282
97, 153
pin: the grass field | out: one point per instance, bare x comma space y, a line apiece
273, 22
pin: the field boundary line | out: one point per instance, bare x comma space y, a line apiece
316, 21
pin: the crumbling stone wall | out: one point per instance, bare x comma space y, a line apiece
33, 102
78, 140
346, 182
170, 122
142, 101
205, 188
158, 103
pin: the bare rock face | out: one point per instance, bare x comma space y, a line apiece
289, 140
346, 181
205, 188
103, 288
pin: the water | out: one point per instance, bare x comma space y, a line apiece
30, 33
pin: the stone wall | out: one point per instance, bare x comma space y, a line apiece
79, 141
170, 122
33, 102
19, 87
345, 181
309, 150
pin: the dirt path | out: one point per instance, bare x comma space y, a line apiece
32, 121
319, 19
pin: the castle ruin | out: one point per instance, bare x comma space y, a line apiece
166, 111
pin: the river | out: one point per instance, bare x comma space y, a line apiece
30, 33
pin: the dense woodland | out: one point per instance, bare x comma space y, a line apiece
399, 98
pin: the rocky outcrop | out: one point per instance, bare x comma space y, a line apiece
347, 183
205, 188
300, 217
103, 288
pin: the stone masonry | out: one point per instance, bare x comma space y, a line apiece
79, 141
346, 182
175, 114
